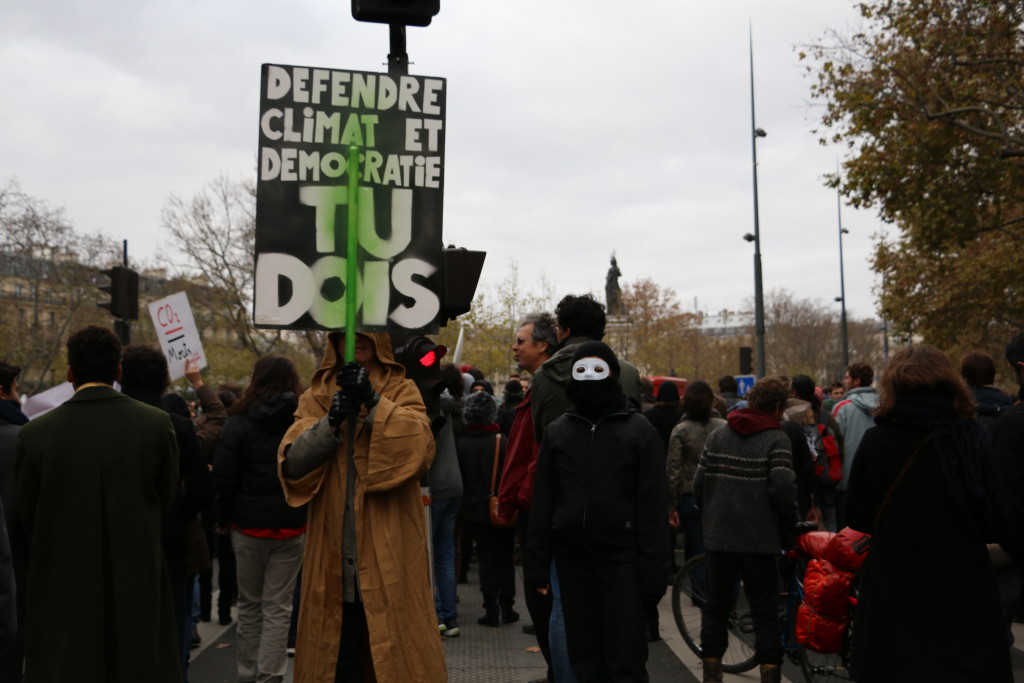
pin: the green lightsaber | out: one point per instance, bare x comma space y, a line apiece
351, 255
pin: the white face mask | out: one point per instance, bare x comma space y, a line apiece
590, 369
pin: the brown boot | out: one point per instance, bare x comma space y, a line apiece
771, 673
712, 670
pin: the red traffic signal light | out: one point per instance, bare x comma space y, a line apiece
433, 356
407, 12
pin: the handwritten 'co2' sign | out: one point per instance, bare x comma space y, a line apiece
176, 330
309, 118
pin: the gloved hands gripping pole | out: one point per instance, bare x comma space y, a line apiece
354, 392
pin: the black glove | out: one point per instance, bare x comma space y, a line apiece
355, 382
341, 407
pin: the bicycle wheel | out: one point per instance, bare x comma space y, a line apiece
689, 595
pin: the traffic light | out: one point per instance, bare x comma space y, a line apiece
407, 12
124, 292
421, 358
746, 360
462, 270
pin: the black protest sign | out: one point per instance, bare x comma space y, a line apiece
309, 119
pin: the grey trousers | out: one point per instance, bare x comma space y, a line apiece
267, 569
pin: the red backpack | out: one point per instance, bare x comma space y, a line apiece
828, 465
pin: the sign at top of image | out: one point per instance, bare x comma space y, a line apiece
309, 118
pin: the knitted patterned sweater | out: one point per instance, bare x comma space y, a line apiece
745, 486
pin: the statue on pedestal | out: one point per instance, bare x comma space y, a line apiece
612, 293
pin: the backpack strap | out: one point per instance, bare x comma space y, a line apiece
899, 478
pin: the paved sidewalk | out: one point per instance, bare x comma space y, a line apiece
481, 654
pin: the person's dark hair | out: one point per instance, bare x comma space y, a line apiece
728, 383
543, 329
698, 401
483, 384
228, 393
451, 379
861, 372
145, 368
8, 373
582, 315
804, 388
978, 369
1015, 350
836, 385
767, 393
93, 355
668, 392
475, 373
272, 375
922, 368
173, 403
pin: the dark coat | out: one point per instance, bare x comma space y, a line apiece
93, 481
928, 609
601, 485
1008, 448
195, 492
663, 418
991, 404
245, 465
476, 460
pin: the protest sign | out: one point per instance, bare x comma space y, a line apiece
309, 120
177, 332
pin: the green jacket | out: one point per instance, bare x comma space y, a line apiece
93, 480
547, 391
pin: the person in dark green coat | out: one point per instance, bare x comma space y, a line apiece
93, 480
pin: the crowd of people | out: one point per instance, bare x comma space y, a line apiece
114, 505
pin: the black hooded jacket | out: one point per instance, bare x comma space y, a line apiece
245, 465
604, 486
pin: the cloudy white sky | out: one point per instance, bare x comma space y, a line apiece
574, 128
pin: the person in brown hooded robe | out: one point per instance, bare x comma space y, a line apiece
367, 608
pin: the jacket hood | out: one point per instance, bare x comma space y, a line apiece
273, 408
747, 421
387, 374
559, 366
864, 398
991, 401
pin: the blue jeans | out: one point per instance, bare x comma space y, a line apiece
442, 537
690, 525
560, 661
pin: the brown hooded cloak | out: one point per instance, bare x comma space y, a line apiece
391, 540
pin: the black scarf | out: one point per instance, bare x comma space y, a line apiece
596, 399
964, 449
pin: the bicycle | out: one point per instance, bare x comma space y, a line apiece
689, 598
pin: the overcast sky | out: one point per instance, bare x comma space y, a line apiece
574, 128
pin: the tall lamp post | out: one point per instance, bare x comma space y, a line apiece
843, 333
758, 288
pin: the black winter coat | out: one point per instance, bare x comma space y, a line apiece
245, 466
928, 608
1008, 448
476, 460
601, 485
196, 488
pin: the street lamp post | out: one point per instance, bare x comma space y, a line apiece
843, 333
758, 288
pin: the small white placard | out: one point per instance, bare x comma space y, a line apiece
177, 332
